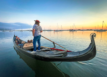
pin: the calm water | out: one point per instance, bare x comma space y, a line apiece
15, 64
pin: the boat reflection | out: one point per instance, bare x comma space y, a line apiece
41, 68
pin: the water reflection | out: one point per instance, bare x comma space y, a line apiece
41, 68
74, 41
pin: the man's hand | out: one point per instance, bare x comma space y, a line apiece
41, 31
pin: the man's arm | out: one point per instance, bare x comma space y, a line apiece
33, 32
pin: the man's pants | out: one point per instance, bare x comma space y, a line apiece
36, 38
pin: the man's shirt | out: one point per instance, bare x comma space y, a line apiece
37, 30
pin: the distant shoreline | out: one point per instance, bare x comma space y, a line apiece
100, 30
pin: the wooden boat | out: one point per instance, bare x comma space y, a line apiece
53, 54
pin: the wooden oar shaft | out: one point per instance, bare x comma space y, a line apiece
53, 42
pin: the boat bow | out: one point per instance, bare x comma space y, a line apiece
86, 54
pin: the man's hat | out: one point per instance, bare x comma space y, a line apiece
37, 21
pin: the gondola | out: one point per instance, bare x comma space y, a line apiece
54, 54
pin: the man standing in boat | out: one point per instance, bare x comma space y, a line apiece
37, 34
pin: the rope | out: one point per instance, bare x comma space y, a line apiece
59, 63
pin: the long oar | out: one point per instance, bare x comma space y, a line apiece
54, 42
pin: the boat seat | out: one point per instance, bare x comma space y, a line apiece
28, 45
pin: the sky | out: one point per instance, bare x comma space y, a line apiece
56, 14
